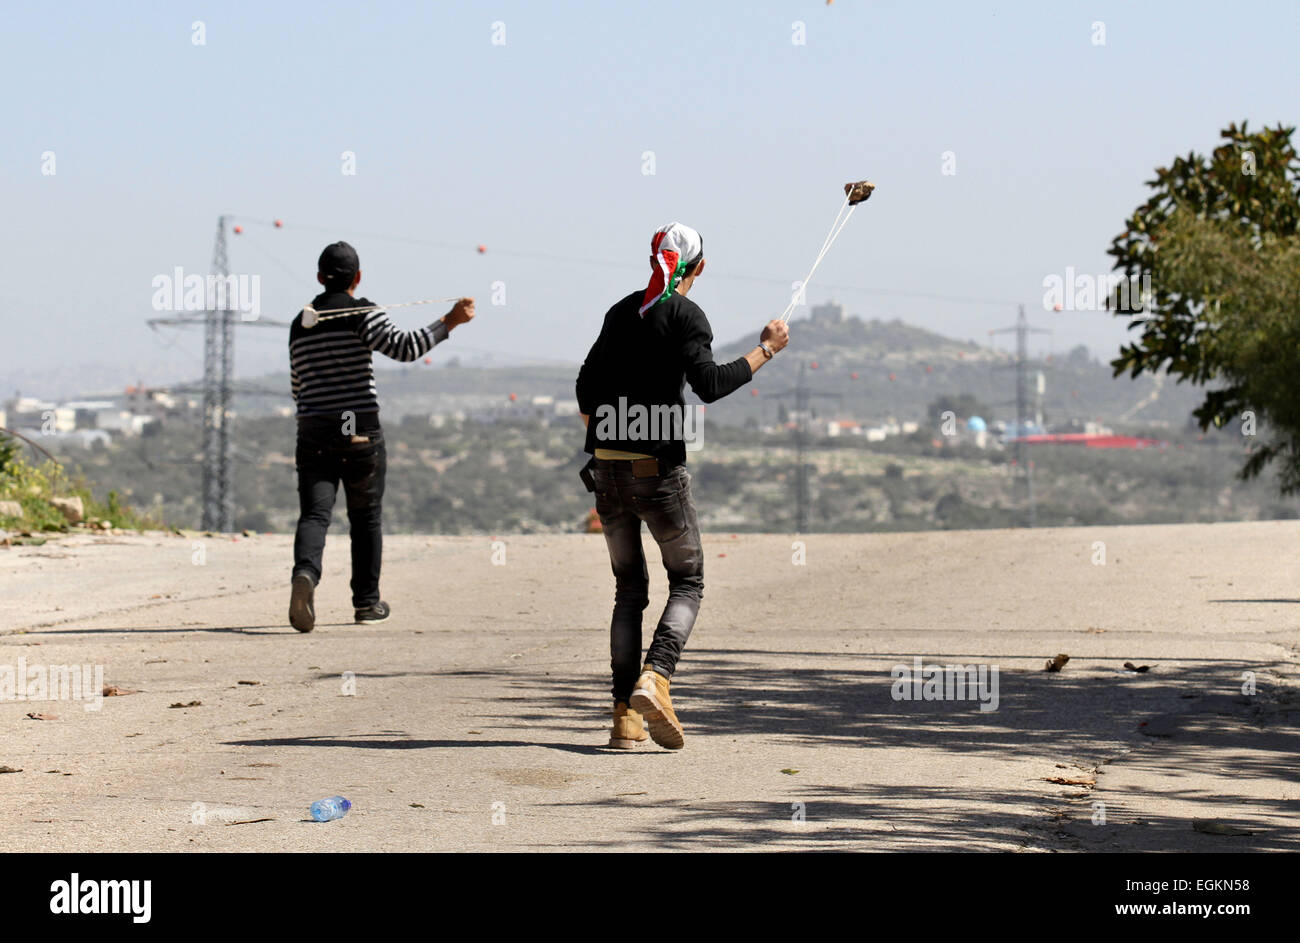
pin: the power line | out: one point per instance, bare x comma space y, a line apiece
611, 263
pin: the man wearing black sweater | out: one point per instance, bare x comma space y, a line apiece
629, 392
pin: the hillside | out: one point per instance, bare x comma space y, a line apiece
465, 458
902, 369
464, 477
923, 365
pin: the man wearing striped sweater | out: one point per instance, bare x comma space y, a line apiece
340, 440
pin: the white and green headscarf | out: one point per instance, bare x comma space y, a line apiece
676, 249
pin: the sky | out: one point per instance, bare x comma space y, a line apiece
528, 128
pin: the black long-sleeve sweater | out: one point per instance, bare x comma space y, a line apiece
646, 362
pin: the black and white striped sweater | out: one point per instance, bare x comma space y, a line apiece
329, 365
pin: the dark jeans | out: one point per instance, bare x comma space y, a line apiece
665, 505
326, 457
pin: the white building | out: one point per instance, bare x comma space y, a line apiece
150, 401
29, 412
121, 421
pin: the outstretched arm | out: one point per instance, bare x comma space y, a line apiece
380, 334
712, 381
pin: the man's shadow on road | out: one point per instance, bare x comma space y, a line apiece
404, 744
278, 629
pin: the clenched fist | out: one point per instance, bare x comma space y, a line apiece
776, 335
462, 312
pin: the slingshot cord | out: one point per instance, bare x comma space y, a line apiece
343, 312
836, 227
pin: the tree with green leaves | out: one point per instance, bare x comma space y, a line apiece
1218, 239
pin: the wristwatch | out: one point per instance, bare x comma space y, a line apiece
767, 351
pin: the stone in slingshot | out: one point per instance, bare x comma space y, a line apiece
858, 192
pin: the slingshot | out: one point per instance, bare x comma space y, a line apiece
854, 193
311, 317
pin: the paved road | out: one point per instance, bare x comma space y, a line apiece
475, 718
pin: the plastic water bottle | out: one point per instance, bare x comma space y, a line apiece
327, 810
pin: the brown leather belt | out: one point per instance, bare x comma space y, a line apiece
646, 468
641, 467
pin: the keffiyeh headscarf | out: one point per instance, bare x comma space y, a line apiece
676, 250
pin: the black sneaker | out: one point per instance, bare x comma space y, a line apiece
372, 614
302, 611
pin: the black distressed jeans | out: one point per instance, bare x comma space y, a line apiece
326, 458
665, 505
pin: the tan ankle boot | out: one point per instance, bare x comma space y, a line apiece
650, 697
628, 729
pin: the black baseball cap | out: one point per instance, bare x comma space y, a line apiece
338, 261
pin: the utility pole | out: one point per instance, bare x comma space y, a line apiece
218, 362
1025, 478
802, 405
219, 325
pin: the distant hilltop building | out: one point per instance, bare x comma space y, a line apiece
830, 313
